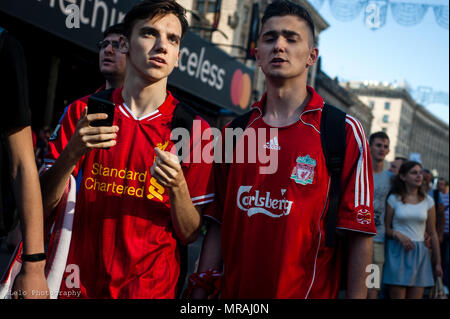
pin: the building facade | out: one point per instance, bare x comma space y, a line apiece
413, 131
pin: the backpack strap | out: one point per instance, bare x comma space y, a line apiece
239, 122
183, 116
332, 128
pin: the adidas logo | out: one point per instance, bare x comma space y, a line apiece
273, 144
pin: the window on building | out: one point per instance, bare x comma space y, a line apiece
384, 129
386, 119
205, 6
372, 104
387, 106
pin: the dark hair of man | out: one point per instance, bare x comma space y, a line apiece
381, 135
399, 186
118, 28
281, 8
427, 171
148, 9
404, 159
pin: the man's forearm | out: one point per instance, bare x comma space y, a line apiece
360, 256
186, 219
54, 180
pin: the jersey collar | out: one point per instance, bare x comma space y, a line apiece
315, 103
166, 108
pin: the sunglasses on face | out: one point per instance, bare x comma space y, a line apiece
104, 44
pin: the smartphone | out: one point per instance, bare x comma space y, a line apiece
98, 105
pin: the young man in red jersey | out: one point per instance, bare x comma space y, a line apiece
135, 201
270, 229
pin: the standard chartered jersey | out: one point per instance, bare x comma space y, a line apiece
123, 241
273, 225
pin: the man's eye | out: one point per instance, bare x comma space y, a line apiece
149, 33
174, 40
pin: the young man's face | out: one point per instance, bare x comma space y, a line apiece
111, 61
154, 47
442, 186
428, 178
395, 166
285, 48
379, 149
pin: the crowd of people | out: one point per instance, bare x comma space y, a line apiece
411, 221
129, 205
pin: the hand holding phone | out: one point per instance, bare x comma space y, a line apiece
98, 105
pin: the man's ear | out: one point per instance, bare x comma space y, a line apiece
313, 56
123, 44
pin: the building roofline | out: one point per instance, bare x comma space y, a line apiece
396, 93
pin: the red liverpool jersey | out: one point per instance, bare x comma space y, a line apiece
123, 241
273, 225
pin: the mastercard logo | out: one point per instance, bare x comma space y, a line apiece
241, 89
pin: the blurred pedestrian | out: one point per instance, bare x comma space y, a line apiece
409, 213
18, 169
428, 182
443, 189
395, 165
112, 62
379, 149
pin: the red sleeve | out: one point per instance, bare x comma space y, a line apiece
356, 207
64, 131
198, 171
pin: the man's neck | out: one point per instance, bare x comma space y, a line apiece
377, 166
285, 101
113, 83
142, 97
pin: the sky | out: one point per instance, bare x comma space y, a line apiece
418, 54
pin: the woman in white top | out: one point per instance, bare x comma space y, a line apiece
409, 213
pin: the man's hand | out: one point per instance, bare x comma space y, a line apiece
167, 170
86, 137
30, 283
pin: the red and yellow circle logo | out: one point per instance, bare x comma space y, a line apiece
241, 89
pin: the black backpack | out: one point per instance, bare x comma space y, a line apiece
183, 117
332, 128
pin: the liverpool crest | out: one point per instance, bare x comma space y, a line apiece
303, 172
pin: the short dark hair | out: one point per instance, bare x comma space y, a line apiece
381, 135
118, 28
148, 9
426, 170
404, 159
281, 8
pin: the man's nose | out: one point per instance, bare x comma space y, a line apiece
161, 45
279, 45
